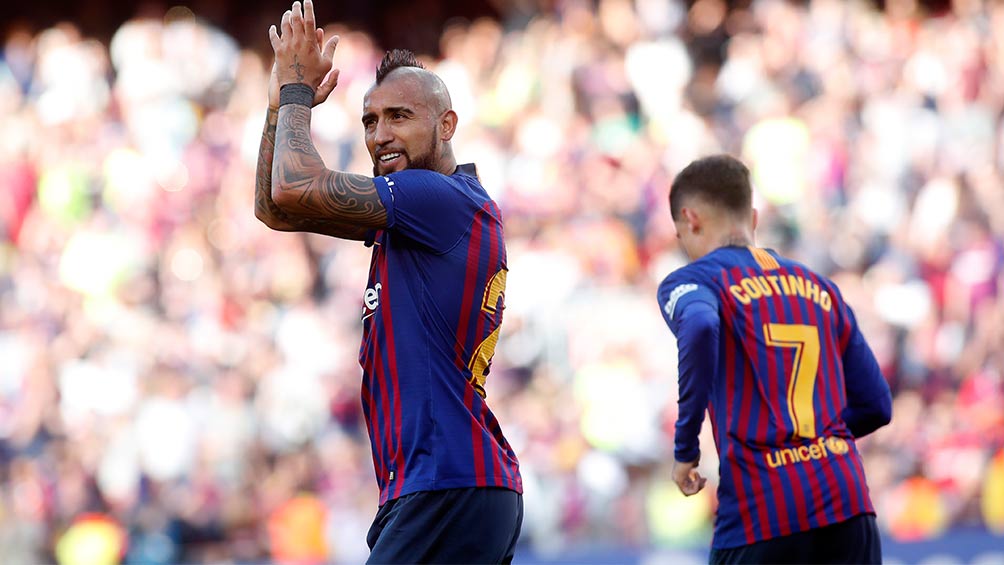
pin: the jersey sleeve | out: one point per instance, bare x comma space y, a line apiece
869, 400
425, 206
691, 312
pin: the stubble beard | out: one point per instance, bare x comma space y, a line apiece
428, 160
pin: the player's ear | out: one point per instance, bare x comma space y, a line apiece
756, 218
692, 219
447, 125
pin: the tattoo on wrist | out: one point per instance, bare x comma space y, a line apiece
298, 127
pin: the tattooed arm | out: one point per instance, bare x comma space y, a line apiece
303, 188
264, 209
270, 214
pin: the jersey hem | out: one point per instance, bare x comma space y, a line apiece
728, 545
465, 482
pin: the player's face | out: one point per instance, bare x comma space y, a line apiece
401, 127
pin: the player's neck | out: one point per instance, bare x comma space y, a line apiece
710, 244
447, 162
736, 239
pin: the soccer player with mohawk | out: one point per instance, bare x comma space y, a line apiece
450, 486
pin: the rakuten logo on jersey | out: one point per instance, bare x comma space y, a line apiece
371, 299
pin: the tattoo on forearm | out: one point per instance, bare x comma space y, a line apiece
297, 68
298, 124
342, 197
263, 175
270, 213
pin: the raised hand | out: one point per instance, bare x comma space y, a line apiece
299, 55
321, 94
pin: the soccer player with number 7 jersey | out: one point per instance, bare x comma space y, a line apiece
770, 349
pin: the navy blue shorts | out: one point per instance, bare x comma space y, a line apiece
852, 541
466, 525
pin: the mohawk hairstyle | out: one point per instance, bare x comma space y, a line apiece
395, 59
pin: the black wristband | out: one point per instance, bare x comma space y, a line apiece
296, 93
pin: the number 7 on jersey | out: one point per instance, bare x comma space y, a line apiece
802, 380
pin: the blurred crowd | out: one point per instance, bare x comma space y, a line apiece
179, 383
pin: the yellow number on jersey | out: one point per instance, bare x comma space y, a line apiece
802, 381
485, 350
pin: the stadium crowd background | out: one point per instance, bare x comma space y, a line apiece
179, 383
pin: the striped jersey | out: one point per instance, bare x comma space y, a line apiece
431, 315
777, 389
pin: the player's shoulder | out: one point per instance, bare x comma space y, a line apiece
467, 175
799, 268
705, 274
703, 271
683, 274
789, 262
426, 177
682, 286
464, 181
468, 171
686, 279
796, 266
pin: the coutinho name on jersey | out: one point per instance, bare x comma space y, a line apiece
752, 288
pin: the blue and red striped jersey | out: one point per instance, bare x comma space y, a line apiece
788, 363
431, 316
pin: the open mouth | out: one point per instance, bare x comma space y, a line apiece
390, 159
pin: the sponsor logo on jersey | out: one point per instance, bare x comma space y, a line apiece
371, 300
675, 296
822, 448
